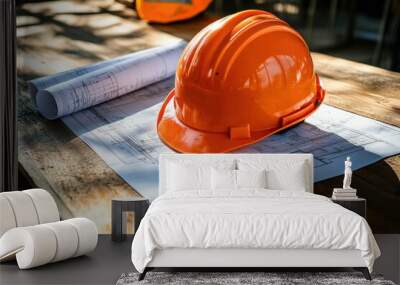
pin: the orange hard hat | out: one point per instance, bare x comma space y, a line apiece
167, 11
239, 80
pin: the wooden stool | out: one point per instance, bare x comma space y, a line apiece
119, 207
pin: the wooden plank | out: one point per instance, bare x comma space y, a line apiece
59, 35
359, 88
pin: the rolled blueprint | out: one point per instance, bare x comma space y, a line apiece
44, 82
71, 91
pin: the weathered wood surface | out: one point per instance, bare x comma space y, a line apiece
55, 36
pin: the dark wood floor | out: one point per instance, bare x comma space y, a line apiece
111, 259
103, 266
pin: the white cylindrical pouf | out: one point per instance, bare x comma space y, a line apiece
33, 246
40, 244
23, 208
87, 234
45, 205
40, 247
7, 218
67, 240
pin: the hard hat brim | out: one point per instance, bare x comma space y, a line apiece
185, 139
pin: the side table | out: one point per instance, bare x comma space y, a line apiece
120, 207
357, 205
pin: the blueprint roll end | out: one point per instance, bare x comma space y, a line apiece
46, 105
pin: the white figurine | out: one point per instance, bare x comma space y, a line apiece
347, 174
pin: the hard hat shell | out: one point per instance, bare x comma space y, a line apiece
239, 80
168, 11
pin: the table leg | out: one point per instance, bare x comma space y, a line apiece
116, 221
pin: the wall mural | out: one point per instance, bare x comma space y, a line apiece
114, 107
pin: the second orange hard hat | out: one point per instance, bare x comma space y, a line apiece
169, 11
239, 80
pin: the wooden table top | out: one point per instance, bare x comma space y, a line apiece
59, 35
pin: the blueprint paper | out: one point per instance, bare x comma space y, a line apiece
44, 82
123, 133
78, 89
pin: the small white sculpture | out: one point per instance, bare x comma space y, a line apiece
347, 174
